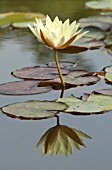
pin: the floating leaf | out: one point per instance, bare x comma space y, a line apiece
98, 18
100, 5
108, 74
61, 139
73, 49
33, 109
104, 91
95, 104
103, 26
22, 24
108, 41
63, 64
38, 73
12, 17
73, 79
94, 32
23, 88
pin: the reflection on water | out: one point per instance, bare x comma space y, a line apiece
61, 139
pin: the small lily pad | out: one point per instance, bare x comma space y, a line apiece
108, 74
14, 17
38, 73
63, 64
73, 79
33, 109
23, 88
100, 5
95, 104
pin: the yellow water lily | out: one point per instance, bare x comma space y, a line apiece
56, 34
61, 139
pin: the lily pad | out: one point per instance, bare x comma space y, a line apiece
22, 24
38, 73
94, 32
104, 91
98, 18
100, 5
23, 88
73, 79
63, 64
95, 104
73, 49
12, 17
108, 74
33, 109
103, 26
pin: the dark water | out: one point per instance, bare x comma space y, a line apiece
19, 48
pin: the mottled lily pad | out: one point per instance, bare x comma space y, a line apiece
73, 79
108, 74
38, 73
23, 88
100, 5
95, 104
12, 17
33, 109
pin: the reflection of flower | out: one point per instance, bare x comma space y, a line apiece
56, 34
61, 139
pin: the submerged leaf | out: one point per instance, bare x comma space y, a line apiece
33, 109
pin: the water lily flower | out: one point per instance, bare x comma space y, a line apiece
61, 139
57, 35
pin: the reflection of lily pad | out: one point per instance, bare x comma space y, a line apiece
12, 17
100, 5
108, 74
38, 73
22, 88
95, 103
33, 109
73, 79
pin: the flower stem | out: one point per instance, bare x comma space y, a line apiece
59, 70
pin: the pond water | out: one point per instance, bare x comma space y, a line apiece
18, 49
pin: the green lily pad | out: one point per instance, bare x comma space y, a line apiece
108, 74
38, 73
108, 41
22, 24
23, 88
74, 79
95, 104
12, 17
33, 109
100, 5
